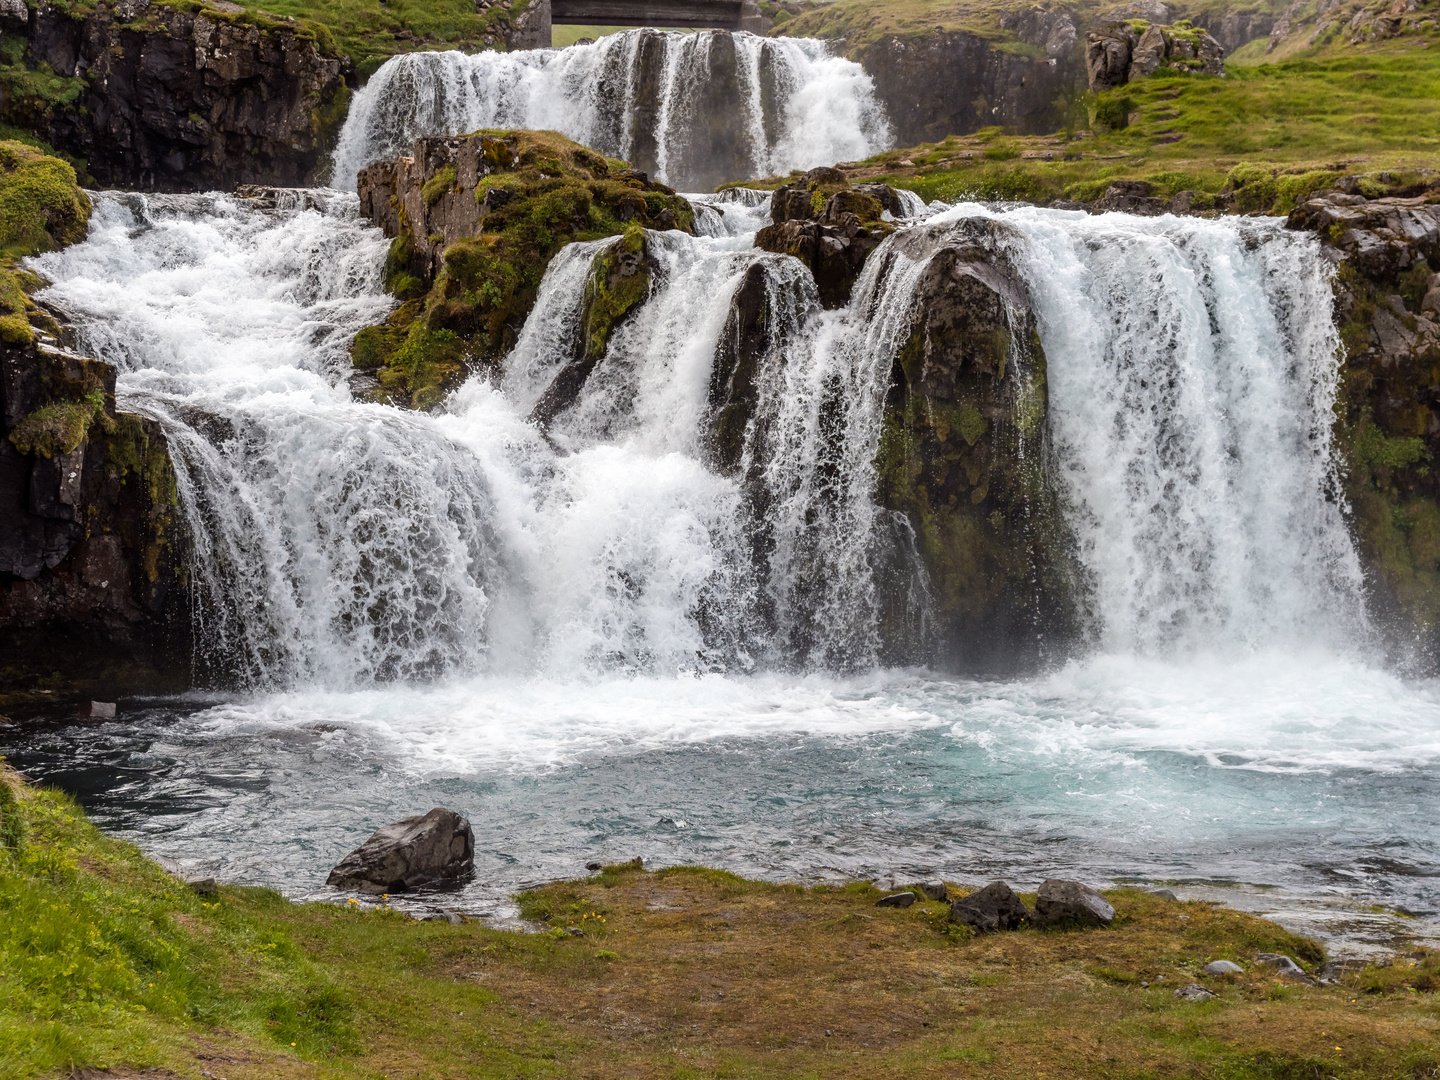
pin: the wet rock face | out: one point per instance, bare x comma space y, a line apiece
829, 226
962, 455
1387, 309
437, 848
90, 536
174, 101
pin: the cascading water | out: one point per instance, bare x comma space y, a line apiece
675, 657
694, 109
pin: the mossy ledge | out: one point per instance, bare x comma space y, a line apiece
474, 221
110, 962
89, 529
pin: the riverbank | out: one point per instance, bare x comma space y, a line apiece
681, 972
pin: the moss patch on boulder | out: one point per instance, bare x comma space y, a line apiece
478, 218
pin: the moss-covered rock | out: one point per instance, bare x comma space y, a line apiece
90, 537
962, 455
475, 220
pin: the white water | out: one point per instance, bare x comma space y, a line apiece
787, 104
461, 608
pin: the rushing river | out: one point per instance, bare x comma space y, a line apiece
569, 637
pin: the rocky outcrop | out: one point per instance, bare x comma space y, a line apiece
437, 848
1120, 52
962, 456
475, 220
167, 99
1385, 239
91, 582
829, 226
91, 595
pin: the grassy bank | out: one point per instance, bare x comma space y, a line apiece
1317, 118
109, 962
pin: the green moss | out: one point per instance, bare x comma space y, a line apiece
41, 204
438, 185
59, 427
560, 192
619, 280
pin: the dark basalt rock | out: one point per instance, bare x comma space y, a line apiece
1129, 197
1069, 903
995, 907
91, 541
171, 100
961, 456
434, 849
829, 226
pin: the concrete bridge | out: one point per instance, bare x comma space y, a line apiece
534, 31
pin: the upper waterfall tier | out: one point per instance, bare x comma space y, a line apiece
693, 110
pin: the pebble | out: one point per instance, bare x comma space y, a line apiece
899, 899
1222, 967
1193, 992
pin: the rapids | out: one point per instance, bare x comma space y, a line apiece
573, 635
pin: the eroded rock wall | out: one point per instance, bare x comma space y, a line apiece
91, 546
168, 100
1387, 307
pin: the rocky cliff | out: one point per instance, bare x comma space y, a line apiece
173, 98
91, 594
1384, 238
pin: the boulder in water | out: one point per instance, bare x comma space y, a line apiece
995, 907
1069, 903
436, 848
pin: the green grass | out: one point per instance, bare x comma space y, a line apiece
108, 962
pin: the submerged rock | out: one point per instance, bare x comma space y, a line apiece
995, 907
437, 848
1069, 903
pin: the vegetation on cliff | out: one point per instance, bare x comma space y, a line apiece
539, 191
41, 208
111, 962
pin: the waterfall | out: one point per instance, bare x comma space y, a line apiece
1193, 369
693, 109
340, 543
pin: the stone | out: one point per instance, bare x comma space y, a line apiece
1129, 197
1061, 903
1193, 992
1164, 894
97, 710
593, 866
899, 899
1284, 966
436, 848
206, 887
935, 890
995, 907
1222, 967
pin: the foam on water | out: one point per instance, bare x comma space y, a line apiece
788, 103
